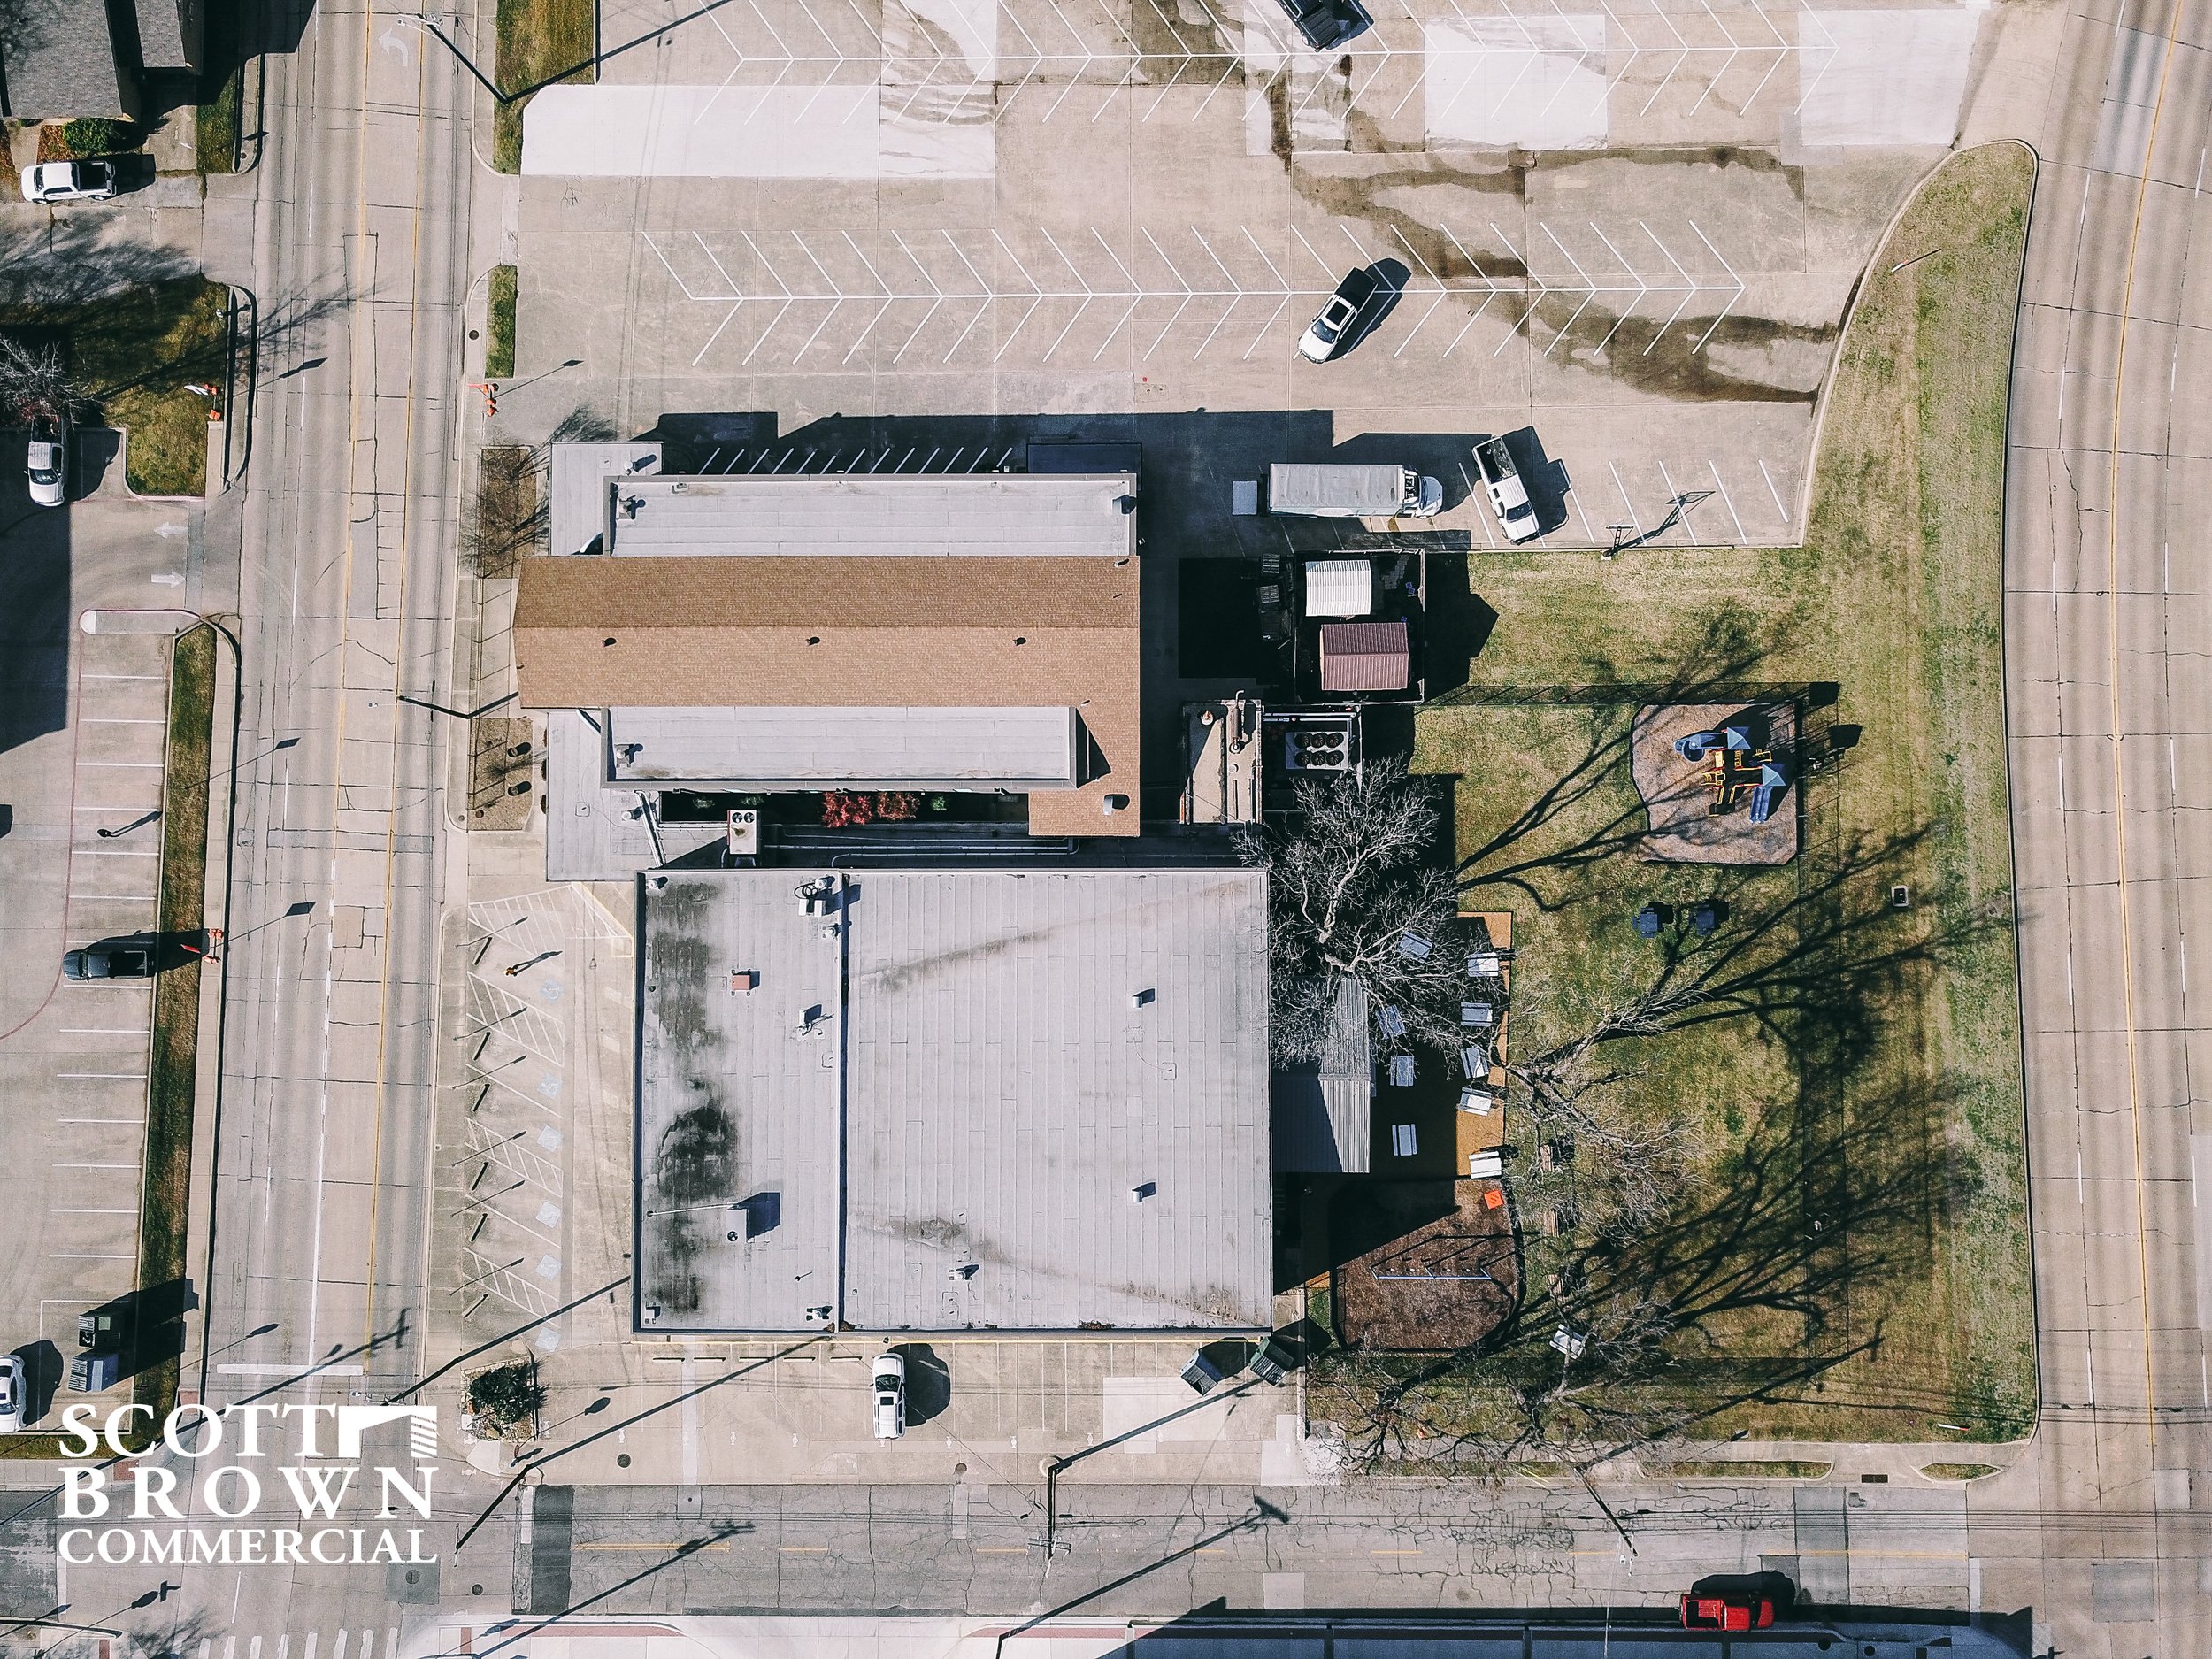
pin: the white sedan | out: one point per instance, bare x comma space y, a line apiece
46, 460
69, 181
11, 1387
890, 1392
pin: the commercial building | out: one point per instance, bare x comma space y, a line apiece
953, 1101
759, 634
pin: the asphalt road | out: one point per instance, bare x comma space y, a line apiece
2106, 572
346, 597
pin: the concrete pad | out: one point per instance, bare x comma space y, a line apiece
739, 132
1886, 77
1537, 82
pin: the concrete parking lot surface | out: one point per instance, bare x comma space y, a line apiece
1138, 213
82, 732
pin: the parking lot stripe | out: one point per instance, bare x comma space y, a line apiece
102, 1031
118, 1123
123, 765
60, 1209
93, 676
121, 1076
120, 720
93, 1166
82, 1255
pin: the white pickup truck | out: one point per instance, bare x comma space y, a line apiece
1508, 496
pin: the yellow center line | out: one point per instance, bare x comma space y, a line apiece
802, 1550
2119, 775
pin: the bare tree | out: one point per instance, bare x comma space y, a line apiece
508, 518
33, 379
1354, 894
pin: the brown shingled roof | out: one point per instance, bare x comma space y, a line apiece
848, 631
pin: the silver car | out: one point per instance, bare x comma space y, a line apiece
70, 181
11, 1389
46, 463
1326, 334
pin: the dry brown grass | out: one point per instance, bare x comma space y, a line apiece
1915, 1071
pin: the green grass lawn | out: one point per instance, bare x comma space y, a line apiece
1856, 1240
537, 38
499, 324
132, 354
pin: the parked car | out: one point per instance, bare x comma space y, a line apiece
1737, 1601
1324, 24
1326, 334
1509, 494
70, 181
109, 962
46, 463
890, 1391
11, 1389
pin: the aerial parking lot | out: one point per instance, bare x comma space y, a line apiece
1636, 232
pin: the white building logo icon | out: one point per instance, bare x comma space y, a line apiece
422, 1429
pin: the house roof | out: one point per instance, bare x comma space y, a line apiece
61, 61
849, 630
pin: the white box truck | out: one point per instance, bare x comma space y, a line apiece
1352, 492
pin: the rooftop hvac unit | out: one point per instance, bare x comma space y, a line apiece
1476, 1013
742, 832
1474, 1061
1478, 1100
1486, 1165
1402, 1070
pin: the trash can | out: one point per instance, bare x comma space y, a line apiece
1201, 1373
89, 1373
1275, 1360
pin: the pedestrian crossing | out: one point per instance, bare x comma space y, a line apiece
344, 1643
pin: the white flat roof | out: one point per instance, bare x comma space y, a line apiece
809, 747
966, 1125
817, 516
576, 490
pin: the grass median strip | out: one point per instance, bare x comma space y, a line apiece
537, 38
170, 1087
1851, 1261
499, 325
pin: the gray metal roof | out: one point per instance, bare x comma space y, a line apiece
592, 832
576, 500
1003, 1098
811, 747
1323, 1112
738, 1099
793, 517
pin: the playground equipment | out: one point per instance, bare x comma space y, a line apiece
1736, 770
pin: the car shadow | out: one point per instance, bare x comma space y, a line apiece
43, 1374
132, 172
93, 452
928, 1382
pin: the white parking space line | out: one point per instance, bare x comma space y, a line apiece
125, 1077
120, 720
